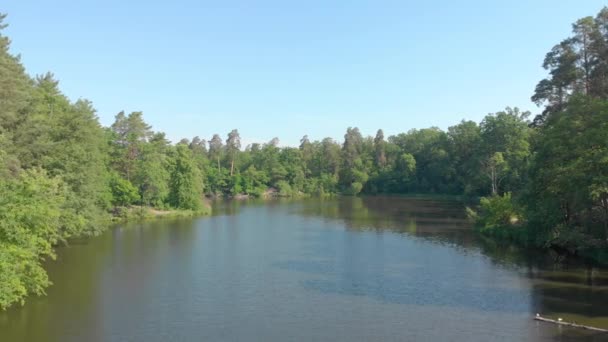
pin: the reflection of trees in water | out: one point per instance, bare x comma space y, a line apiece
441, 221
76, 280
573, 289
109, 270
228, 207
568, 288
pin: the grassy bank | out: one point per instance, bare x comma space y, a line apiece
137, 213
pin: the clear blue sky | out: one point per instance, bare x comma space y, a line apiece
289, 68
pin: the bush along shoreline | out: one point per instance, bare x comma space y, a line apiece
135, 213
502, 219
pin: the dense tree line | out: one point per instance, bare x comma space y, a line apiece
63, 175
563, 200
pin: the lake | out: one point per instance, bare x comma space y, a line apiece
345, 269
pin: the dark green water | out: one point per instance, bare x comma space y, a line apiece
350, 269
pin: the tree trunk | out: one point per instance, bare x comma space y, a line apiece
604, 202
494, 185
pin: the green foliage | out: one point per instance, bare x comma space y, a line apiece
254, 181
465, 143
185, 184
354, 188
233, 145
152, 174
236, 185
569, 171
123, 192
496, 212
284, 189
21, 274
31, 222
15, 85
218, 181
577, 66
138, 213
500, 217
505, 149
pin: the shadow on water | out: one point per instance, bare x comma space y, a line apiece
574, 290
414, 288
88, 272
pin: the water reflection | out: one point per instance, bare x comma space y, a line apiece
574, 290
347, 269
38, 320
416, 287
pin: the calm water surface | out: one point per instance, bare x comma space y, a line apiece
350, 269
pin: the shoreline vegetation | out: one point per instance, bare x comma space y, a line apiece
135, 213
541, 182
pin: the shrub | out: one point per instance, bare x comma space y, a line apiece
123, 192
284, 189
496, 211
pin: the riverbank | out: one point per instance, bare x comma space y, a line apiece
137, 213
19, 266
582, 247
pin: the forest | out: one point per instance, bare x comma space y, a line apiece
539, 180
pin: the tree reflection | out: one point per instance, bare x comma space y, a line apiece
573, 290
